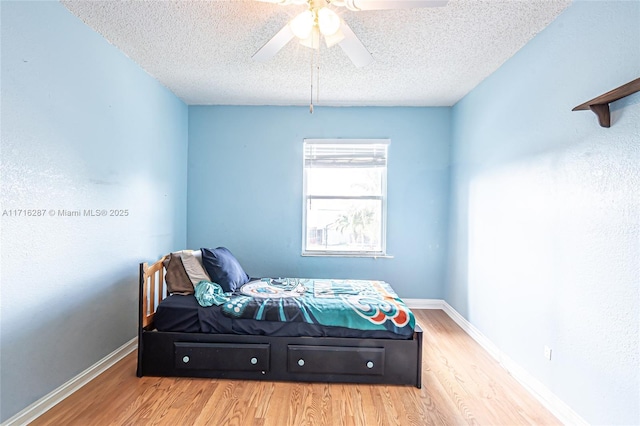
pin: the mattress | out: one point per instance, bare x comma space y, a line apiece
360, 312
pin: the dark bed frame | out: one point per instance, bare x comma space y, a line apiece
299, 359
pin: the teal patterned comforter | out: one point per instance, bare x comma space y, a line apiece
356, 304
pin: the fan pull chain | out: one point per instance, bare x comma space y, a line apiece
312, 67
315, 67
318, 73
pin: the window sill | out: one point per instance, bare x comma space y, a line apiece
370, 255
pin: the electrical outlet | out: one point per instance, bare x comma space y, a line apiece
547, 352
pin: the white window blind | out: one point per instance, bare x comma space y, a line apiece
345, 155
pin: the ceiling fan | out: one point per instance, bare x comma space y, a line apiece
321, 21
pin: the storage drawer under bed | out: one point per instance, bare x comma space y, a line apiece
335, 360
221, 356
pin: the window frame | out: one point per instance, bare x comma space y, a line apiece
383, 199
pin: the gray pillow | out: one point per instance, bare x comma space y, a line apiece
193, 266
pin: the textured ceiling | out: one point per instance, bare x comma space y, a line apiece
201, 50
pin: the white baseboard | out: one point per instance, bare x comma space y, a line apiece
547, 398
54, 397
424, 303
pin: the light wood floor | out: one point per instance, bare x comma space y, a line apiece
461, 384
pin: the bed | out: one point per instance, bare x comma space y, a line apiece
222, 346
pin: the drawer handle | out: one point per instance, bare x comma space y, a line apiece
301, 362
185, 359
369, 364
254, 360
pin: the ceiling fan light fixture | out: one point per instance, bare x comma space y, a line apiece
302, 24
328, 21
313, 40
334, 38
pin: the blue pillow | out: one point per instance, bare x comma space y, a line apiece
223, 268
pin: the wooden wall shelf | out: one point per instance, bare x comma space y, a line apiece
600, 105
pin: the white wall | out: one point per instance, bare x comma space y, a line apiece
545, 213
83, 128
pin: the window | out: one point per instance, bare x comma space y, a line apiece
345, 191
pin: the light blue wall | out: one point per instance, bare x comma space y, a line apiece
83, 127
545, 216
245, 189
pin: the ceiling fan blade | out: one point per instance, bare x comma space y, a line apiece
274, 45
392, 4
354, 48
284, 2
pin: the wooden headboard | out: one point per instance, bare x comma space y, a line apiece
152, 291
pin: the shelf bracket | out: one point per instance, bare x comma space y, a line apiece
600, 105
602, 111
